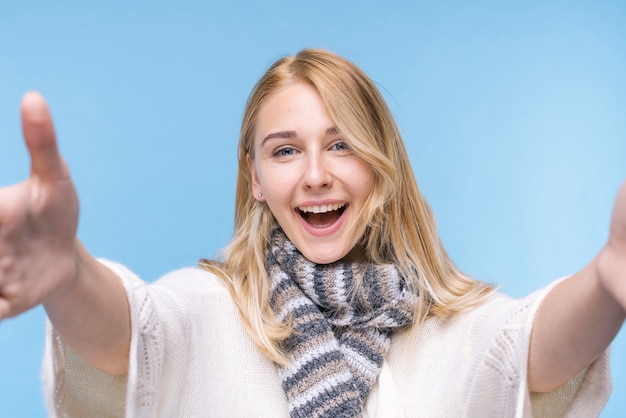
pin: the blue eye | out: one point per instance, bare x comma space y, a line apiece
283, 152
341, 146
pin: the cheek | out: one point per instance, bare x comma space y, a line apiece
368, 186
365, 177
276, 187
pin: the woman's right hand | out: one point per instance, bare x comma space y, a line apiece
42, 261
38, 220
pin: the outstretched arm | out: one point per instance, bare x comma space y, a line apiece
580, 317
42, 261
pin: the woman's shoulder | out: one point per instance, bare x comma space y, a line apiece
198, 295
499, 313
501, 308
192, 280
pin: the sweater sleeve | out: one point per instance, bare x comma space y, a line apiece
75, 388
501, 381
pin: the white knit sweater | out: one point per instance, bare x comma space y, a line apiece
191, 357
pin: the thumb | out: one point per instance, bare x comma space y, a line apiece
618, 221
38, 129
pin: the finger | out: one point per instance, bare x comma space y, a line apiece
618, 221
38, 129
5, 308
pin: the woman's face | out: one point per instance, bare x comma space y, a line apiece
308, 176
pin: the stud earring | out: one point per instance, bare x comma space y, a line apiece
260, 195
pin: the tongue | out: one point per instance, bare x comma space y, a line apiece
321, 219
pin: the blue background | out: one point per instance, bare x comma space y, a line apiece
514, 116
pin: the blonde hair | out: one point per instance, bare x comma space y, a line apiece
398, 226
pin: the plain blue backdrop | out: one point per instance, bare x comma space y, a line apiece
514, 115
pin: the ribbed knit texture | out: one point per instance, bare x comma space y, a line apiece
192, 351
330, 376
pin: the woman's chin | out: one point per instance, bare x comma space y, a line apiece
328, 257
322, 259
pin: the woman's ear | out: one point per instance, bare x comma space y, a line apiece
256, 184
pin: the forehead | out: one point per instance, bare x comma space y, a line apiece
297, 106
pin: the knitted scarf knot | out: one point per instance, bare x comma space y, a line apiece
330, 376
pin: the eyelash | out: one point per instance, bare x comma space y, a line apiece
344, 144
288, 151
280, 152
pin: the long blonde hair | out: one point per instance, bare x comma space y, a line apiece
398, 226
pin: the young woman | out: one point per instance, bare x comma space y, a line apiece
335, 297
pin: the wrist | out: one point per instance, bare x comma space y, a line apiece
610, 268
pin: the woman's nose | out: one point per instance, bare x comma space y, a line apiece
316, 173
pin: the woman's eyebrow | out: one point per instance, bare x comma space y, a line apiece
292, 134
279, 134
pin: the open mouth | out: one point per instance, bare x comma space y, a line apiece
320, 216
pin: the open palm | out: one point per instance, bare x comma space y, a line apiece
38, 219
612, 259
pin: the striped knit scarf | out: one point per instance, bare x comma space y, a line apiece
330, 376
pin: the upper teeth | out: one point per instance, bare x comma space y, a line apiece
321, 208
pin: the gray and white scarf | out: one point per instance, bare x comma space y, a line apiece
329, 375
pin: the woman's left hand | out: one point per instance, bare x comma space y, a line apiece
611, 266
580, 316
